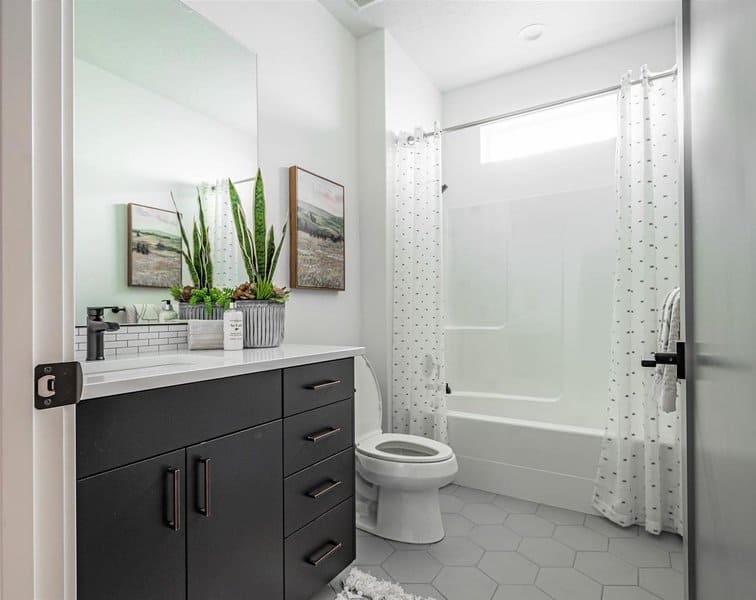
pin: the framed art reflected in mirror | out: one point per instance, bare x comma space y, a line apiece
316, 209
154, 247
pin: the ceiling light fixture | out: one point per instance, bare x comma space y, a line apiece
530, 33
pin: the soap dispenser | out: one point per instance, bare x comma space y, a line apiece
167, 314
233, 328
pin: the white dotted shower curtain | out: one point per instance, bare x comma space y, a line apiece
418, 373
639, 472
226, 255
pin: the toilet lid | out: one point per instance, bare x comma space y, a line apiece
399, 447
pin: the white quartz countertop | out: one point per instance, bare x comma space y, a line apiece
124, 375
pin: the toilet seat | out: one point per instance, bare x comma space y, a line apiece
403, 448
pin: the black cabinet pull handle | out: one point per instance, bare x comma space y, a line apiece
324, 553
325, 433
174, 510
323, 489
322, 386
204, 509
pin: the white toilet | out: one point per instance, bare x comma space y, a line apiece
398, 475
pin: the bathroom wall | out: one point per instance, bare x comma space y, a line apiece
531, 245
394, 95
307, 85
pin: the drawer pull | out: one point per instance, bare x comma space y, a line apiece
322, 386
321, 435
174, 509
205, 508
324, 488
324, 553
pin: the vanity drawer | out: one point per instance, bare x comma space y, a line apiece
118, 430
317, 434
310, 386
313, 491
319, 552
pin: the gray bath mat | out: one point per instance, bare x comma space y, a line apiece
363, 586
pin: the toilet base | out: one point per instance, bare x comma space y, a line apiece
413, 517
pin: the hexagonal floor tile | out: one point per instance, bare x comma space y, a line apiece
667, 541
472, 495
560, 516
613, 592
581, 538
407, 566
606, 568
515, 505
464, 583
424, 590
406, 546
567, 584
508, 567
530, 525
639, 552
547, 552
372, 550
665, 583
455, 524
606, 527
519, 592
484, 514
449, 503
495, 537
456, 552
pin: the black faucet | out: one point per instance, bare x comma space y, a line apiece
96, 329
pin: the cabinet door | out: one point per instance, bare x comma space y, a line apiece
235, 516
131, 532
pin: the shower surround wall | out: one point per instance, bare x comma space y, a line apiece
530, 247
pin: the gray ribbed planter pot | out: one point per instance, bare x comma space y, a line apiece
198, 311
263, 322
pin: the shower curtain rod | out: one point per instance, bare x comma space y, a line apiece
539, 107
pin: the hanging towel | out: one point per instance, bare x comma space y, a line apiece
664, 387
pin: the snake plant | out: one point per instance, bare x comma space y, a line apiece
258, 245
197, 255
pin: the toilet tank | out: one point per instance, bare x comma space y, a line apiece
367, 400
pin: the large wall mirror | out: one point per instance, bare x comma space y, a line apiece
165, 104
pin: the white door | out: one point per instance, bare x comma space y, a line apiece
722, 230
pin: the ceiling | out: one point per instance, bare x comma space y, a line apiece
459, 42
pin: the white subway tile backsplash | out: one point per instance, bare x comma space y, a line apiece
137, 343
132, 340
125, 337
148, 336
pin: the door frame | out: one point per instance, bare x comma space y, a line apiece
37, 463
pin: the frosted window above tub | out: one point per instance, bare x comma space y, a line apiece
575, 124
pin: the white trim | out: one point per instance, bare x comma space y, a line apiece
36, 318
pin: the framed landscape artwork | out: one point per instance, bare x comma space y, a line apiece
317, 231
154, 247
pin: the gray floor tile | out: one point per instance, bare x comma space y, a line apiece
456, 552
450, 503
671, 542
567, 584
424, 590
508, 567
579, 537
560, 516
406, 546
456, 524
495, 537
469, 495
530, 525
606, 568
612, 592
639, 552
515, 505
519, 592
547, 552
609, 529
665, 583
464, 583
484, 514
412, 567
372, 550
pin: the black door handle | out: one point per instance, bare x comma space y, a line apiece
668, 358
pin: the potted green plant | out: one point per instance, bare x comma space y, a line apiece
261, 301
201, 300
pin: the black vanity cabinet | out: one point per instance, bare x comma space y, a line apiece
205, 491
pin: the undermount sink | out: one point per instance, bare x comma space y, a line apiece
147, 363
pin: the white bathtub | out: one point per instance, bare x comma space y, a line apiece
534, 460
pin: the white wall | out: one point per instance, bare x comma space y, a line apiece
394, 95
531, 245
307, 83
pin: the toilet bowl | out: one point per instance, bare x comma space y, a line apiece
398, 475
